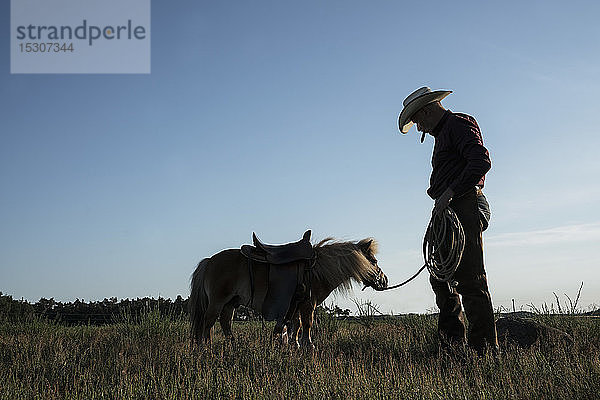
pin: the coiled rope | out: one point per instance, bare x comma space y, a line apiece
443, 246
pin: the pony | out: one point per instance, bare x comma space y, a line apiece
222, 283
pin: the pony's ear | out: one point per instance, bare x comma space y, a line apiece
367, 245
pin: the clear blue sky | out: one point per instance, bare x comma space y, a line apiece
278, 116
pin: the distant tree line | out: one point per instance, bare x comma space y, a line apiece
94, 312
107, 311
112, 310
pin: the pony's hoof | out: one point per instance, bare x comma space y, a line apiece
308, 347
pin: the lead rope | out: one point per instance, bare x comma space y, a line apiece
443, 247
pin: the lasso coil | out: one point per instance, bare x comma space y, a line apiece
443, 245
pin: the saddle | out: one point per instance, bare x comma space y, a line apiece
279, 254
277, 274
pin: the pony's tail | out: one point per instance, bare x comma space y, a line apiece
198, 300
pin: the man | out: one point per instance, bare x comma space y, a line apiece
460, 162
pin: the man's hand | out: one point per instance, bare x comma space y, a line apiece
442, 202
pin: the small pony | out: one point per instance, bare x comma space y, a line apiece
222, 282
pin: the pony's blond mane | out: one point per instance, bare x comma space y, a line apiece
339, 263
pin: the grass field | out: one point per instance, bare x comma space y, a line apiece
397, 358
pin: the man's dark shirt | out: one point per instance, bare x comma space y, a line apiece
459, 159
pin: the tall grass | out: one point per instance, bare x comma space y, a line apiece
151, 357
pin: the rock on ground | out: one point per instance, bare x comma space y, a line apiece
525, 332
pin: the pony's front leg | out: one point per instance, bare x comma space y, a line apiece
307, 311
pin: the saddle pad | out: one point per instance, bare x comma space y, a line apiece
260, 275
283, 280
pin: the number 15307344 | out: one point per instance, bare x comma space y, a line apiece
46, 47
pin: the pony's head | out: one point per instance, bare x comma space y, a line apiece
340, 263
376, 278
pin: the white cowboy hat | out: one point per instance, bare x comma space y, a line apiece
415, 101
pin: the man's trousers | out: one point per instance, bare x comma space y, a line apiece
472, 286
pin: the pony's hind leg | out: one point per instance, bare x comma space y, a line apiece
210, 317
226, 317
278, 332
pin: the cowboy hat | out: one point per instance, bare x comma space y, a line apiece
415, 101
